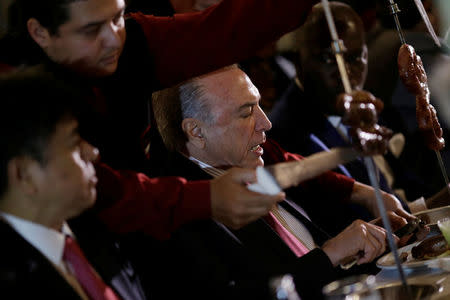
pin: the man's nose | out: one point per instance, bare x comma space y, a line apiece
262, 122
352, 75
111, 38
89, 153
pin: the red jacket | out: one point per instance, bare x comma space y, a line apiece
339, 185
181, 47
184, 46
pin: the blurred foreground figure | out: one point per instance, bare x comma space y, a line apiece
47, 179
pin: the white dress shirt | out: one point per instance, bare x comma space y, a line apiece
49, 242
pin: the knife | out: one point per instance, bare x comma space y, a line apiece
411, 227
274, 178
427, 22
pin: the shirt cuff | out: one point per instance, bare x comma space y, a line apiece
417, 205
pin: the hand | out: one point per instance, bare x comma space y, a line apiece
391, 203
365, 195
233, 204
396, 222
359, 237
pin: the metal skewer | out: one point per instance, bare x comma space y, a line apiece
371, 170
444, 172
338, 48
394, 10
427, 22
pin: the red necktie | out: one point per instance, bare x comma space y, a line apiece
91, 283
296, 246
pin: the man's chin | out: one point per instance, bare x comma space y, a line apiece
106, 71
254, 164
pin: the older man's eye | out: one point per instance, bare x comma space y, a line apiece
248, 112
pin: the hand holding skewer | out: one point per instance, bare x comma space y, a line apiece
371, 168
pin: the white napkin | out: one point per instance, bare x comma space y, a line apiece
265, 184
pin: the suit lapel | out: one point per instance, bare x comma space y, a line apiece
317, 142
258, 237
263, 242
179, 165
331, 136
319, 235
31, 272
103, 253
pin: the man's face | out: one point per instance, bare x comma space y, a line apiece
91, 41
320, 73
239, 125
66, 182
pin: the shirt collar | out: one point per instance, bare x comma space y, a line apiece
334, 120
213, 171
46, 240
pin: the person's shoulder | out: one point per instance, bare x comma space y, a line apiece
16, 257
12, 243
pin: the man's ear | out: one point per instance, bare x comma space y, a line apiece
22, 175
193, 130
38, 33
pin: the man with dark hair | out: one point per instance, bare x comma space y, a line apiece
214, 122
86, 42
301, 117
309, 107
47, 178
87, 38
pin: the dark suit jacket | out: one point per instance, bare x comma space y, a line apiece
295, 117
206, 260
294, 111
26, 274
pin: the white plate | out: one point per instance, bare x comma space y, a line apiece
431, 216
388, 262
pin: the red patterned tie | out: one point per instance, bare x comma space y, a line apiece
91, 283
293, 243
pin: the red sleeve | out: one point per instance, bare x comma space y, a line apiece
337, 185
130, 201
188, 45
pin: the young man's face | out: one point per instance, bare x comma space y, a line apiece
92, 40
238, 130
66, 181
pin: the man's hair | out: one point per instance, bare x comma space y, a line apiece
316, 25
185, 100
172, 105
32, 103
50, 13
